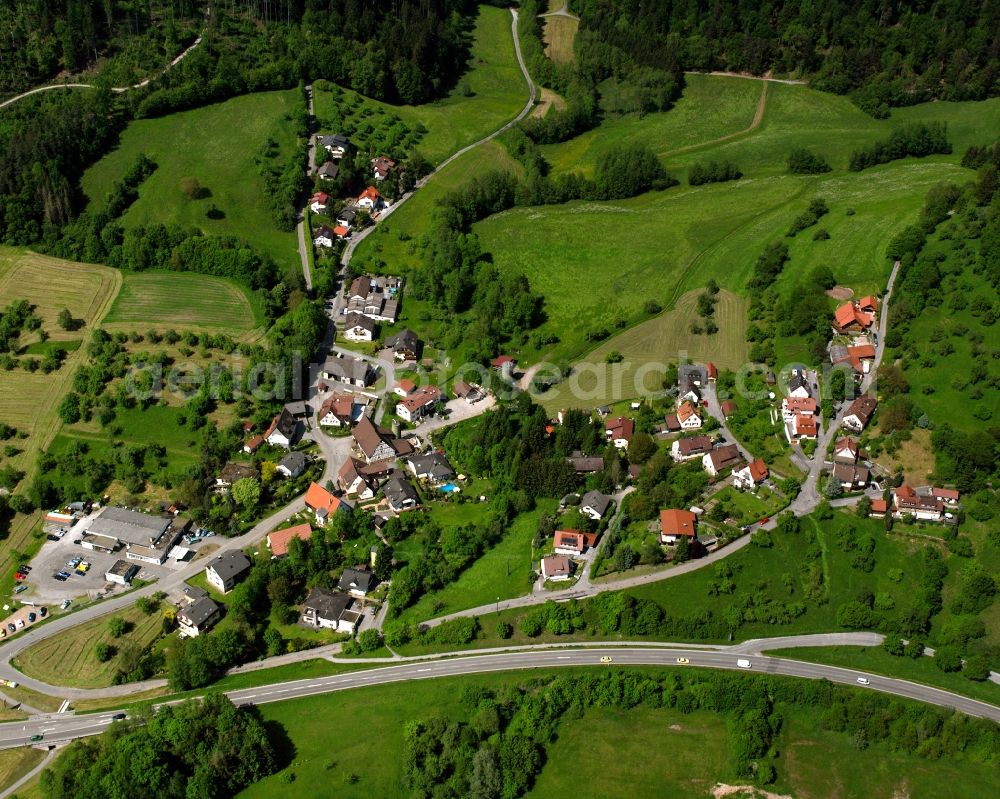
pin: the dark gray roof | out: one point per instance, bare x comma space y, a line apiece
404, 339
798, 380
129, 525
294, 461
435, 466
297, 408
327, 604
584, 464
286, 423
398, 490
357, 579
230, 565
122, 568
595, 500
198, 612
359, 320
330, 169
347, 213
335, 140
354, 369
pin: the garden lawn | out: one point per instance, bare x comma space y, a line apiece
750, 507
502, 571
217, 145
68, 658
183, 301
489, 94
875, 660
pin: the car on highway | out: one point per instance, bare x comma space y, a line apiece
119, 717
743, 663
863, 681
36, 737
683, 661
606, 659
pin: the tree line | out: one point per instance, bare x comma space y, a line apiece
917, 141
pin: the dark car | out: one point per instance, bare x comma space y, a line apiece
119, 717
11, 628
52, 537
43, 612
36, 737
60, 577
24, 568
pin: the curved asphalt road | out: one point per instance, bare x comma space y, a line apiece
58, 729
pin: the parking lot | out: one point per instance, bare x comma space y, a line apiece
21, 620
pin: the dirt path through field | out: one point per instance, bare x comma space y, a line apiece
758, 117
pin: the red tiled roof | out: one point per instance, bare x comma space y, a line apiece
800, 405
318, 498
620, 427
254, 443
862, 351
677, 522
406, 385
500, 360
758, 470
371, 193
278, 540
728, 408
320, 197
868, 302
946, 493
569, 539
686, 411
711, 371
880, 506
805, 425
340, 231
671, 422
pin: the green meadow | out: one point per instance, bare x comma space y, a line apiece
489, 94
217, 145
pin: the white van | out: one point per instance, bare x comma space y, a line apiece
743, 663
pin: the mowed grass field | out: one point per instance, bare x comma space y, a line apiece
665, 338
183, 301
29, 400
68, 658
15, 763
558, 33
217, 145
486, 96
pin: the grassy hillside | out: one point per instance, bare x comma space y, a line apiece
217, 145
29, 400
183, 301
612, 752
487, 96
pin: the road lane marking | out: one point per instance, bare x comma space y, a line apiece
562, 657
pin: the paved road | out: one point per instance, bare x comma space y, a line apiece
883, 325
63, 728
356, 239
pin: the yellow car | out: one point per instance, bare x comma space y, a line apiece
683, 661
606, 659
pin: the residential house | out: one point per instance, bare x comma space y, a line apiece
323, 236
231, 473
319, 202
341, 232
688, 417
798, 384
584, 464
569, 542
293, 464
557, 568
434, 468
595, 504
382, 166
798, 406
845, 450
338, 145
711, 372
504, 363
859, 414
671, 423
373, 442
197, 617
851, 476
299, 409
405, 345
354, 482
227, 569
685, 449
337, 410
801, 427
419, 404
278, 540
347, 216
283, 430
728, 408
751, 475
405, 387
676, 524
923, 507
879, 508
357, 582
376, 297
359, 328
619, 430
859, 357
251, 446
330, 610
323, 504
948, 496
470, 393
329, 170
720, 459
398, 492
352, 371
691, 381
370, 200
852, 318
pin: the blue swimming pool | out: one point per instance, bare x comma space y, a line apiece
450, 488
